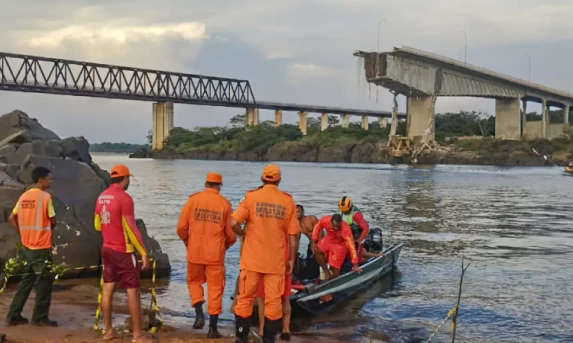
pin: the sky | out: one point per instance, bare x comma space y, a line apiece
296, 51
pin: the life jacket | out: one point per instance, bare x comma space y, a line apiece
35, 230
356, 230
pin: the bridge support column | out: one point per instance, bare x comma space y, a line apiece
544, 119
278, 117
419, 115
507, 119
323, 122
345, 121
566, 115
383, 122
162, 124
252, 117
365, 123
302, 122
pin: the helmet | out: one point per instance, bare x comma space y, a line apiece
345, 204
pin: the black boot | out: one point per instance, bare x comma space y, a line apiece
272, 328
199, 317
242, 328
213, 332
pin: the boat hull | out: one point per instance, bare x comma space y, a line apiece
325, 297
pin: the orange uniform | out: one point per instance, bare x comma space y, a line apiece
205, 227
270, 215
336, 244
34, 210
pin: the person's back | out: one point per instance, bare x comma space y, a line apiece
207, 236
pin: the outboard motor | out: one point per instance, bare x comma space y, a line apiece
374, 242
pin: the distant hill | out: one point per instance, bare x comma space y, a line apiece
115, 147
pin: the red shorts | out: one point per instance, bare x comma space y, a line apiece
288, 287
120, 267
334, 252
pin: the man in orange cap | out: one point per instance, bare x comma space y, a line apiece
115, 219
205, 228
272, 227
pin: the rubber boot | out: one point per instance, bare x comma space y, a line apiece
242, 328
213, 332
272, 328
199, 317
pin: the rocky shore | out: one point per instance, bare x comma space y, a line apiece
77, 182
508, 153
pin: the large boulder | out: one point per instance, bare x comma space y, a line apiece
16, 121
76, 183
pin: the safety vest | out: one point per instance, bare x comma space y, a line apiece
356, 230
33, 219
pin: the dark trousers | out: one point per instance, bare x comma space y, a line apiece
38, 277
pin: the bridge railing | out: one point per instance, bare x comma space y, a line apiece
46, 75
485, 71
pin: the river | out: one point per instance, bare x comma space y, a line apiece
512, 224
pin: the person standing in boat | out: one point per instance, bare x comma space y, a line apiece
334, 246
271, 228
352, 216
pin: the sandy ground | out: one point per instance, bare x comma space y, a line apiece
73, 306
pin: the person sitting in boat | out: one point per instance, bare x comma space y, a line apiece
334, 246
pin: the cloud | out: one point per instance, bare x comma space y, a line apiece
117, 35
304, 71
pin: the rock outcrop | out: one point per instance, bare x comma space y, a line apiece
76, 183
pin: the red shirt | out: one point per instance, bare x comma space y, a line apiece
341, 236
115, 218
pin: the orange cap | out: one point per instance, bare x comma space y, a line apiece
119, 171
271, 173
214, 178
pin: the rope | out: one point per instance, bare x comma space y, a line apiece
450, 313
13, 264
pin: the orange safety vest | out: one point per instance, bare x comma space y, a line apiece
33, 220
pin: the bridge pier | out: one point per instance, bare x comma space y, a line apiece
365, 123
566, 115
302, 122
278, 117
419, 115
252, 117
345, 121
323, 122
544, 119
508, 119
383, 122
162, 124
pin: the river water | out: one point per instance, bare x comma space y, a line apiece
512, 224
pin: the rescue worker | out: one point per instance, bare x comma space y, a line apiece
352, 216
115, 219
205, 228
334, 246
270, 215
34, 219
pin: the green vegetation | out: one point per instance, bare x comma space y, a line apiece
115, 147
236, 137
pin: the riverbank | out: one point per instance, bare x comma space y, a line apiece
474, 152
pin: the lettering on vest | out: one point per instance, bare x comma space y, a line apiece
206, 215
270, 210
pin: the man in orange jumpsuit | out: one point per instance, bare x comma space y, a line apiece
34, 218
115, 219
271, 218
334, 246
205, 228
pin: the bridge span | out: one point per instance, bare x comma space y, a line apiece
422, 77
34, 74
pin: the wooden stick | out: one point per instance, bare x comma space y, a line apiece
455, 319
